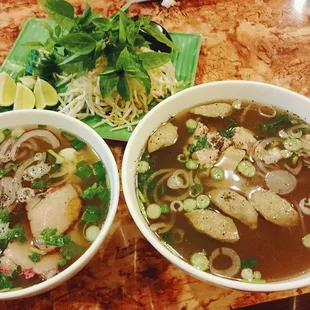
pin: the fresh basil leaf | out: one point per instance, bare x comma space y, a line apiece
126, 61
60, 11
47, 27
142, 77
152, 60
132, 32
49, 44
102, 23
159, 36
108, 84
100, 46
145, 20
123, 88
70, 59
123, 19
87, 16
33, 45
57, 31
78, 43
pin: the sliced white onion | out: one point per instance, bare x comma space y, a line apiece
43, 134
295, 170
179, 179
260, 151
233, 269
5, 146
271, 115
283, 134
295, 131
176, 203
281, 182
304, 205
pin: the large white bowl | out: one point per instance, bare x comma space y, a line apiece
49, 118
260, 92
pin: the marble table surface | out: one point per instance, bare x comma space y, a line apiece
251, 40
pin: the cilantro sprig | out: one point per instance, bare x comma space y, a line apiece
201, 143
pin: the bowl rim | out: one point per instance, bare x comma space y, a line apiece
130, 199
51, 118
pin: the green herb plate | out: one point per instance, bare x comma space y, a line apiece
185, 62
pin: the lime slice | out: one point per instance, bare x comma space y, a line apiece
45, 94
24, 98
7, 90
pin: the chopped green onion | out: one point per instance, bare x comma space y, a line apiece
37, 251
250, 262
260, 281
143, 166
38, 184
182, 158
62, 262
246, 168
35, 257
195, 190
257, 275
2, 137
306, 241
90, 192
83, 171
164, 208
217, 173
189, 204
6, 132
99, 170
293, 144
59, 159
92, 215
200, 261
286, 153
92, 233
295, 159
17, 132
41, 126
140, 195
191, 164
77, 144
191, 125
4, 171
153, 211
203, 201
247, 274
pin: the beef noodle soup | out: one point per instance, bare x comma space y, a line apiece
225, 187
54, 197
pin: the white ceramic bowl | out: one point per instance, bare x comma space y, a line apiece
67, 123
260, 92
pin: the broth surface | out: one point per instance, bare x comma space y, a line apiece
279, 251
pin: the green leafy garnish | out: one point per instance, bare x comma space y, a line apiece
71, 250
5, 281
229, 131
249, 262
92, 215
4, 216
76, 42
280, 121
38, 184
100, 191
99, 171
6, 132
77, 144
103, 193
18, 233
42, 196
83, 171
201, 144
4, 171
50, 237
62, 262
35, 257
16, 271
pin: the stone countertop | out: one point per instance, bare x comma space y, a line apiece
251, 40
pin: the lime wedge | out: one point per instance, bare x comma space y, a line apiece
24, 98
7, 90
45, 94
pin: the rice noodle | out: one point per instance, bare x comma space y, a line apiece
179, 179
301, 217
43, 134
274, 112
295, 170
179, 232
180, 197
233, 269
159, 183
245, 112
163, 227
150, 179
173, 206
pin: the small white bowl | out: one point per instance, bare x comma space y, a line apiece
70, 124
244, 90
